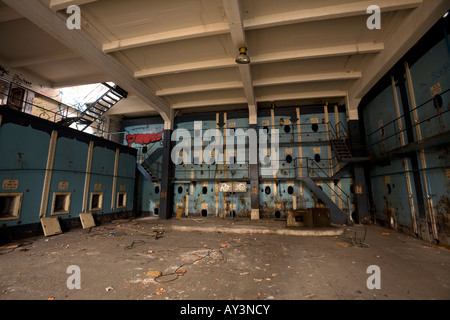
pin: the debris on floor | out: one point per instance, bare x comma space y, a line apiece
153, 273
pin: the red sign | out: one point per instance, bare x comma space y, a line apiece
143, 138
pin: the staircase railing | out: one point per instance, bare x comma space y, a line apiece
315, 171
155, 166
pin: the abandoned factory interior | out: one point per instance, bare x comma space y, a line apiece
252, 150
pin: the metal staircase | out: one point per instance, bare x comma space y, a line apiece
96, 109
341, 149
317, 173
149, 167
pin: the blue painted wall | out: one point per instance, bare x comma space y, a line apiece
24, 149
430, 78
192, 180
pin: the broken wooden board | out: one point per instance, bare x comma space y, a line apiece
87, 220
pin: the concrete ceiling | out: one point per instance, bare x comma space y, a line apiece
179, 55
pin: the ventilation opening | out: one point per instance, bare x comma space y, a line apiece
291, 190
204, 212
267, 190
61, 203
277, 214
156, 211
288, 158
287, 129
317, 157
10, 206
315, 127
121, 200
204, 190
96, 201
156, 190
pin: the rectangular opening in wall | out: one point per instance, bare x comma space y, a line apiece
96, 201
10, 204
122, 200
61, 203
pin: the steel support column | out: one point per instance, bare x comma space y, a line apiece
167, 173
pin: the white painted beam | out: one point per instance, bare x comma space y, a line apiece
302, 95
200, 88
268, 98
209, 103
185, 67
168, 36
81, 43
64, 4
327, 12
351, 49
332, 76
314, 53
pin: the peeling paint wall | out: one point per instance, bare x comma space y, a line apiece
411, 173
60, 187
304, 150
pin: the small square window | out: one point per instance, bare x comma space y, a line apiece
121, 200
96, 201
10, 205
61, 203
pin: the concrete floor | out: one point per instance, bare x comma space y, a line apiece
255, 261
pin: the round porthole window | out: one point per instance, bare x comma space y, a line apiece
288, 158
156, 189
315, 127
180, 190
267, 190
287, 129
291, 190
317, 157
204, 190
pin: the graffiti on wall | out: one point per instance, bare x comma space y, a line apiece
143, 139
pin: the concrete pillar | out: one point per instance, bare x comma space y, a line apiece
254, 182
360, 186
167, 173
